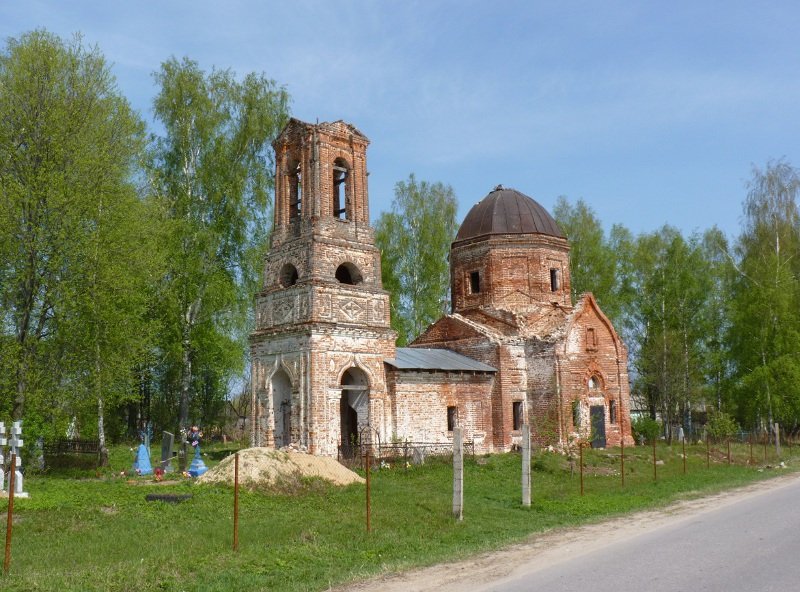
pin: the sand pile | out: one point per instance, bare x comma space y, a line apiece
266, 466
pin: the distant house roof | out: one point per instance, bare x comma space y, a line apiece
418, 358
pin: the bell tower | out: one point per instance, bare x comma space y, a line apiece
322, 316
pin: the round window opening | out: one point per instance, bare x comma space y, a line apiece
347, 273
288, 275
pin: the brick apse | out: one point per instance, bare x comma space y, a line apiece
514, 349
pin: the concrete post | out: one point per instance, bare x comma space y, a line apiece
526, 465
777, 440
458, 475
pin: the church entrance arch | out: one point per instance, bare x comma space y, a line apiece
281, 409
353, 408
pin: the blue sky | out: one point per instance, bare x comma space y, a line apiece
652, 112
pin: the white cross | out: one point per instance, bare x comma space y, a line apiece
15, 442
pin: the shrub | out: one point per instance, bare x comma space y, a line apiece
721, 425
645, 428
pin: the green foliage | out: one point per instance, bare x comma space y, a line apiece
721, 425
73, 234
764, 328
646, 428
593, 264
414, 239
212, 175
107, 536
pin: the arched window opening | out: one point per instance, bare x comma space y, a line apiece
474, 282
347, 273
288, 275
452, 418
295, 190
341, 188
612, 411
555, 279
594, 383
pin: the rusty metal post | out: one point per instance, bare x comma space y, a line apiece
580, 462
369, 471
655, 467
236, 502
622, 459
10, 516
684, 454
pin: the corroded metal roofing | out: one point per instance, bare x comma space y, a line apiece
418, 358
507, 211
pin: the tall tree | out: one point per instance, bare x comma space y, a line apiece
414, 239
213, 172
671, 286
68, 145
593, 264
765, 319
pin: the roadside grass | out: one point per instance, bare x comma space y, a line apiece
81, 531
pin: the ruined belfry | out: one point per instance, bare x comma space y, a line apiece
513, 351
322, 318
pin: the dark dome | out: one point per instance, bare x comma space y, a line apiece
507, 211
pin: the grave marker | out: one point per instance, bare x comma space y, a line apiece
16, 443
167, 441
2, 460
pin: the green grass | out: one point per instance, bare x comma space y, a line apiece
99, 533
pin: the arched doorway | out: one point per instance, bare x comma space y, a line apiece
353, 408
281, 409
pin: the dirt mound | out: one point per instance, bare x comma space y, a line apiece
266, 466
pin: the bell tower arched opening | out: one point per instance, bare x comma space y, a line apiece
341, 189
295, 178
281, 409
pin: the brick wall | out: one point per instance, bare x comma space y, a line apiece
419, 401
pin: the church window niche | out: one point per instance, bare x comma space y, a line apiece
341, 189
347, 273
594, 383
295, 190
576, 414
591, 339
288, 275
612, 411
452, 418
474, 282
516, 412
555, 279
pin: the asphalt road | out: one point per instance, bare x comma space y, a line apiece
749, 545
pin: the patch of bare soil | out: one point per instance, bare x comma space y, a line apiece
551, 547
266, 466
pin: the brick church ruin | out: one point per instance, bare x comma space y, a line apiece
513, 351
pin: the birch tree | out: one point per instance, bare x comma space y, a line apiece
765, 322
213, 173
414, 239
69, 143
